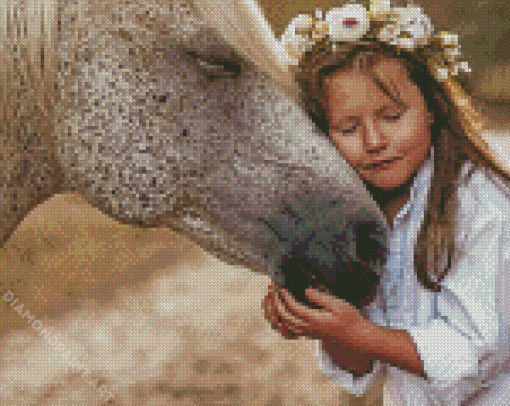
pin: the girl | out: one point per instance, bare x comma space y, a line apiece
388, 94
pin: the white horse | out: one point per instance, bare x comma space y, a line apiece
160, 117
162, 114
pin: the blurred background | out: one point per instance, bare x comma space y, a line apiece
189, 328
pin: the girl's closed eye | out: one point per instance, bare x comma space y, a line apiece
393, 115
349, 129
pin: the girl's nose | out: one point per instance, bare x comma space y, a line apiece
373, 138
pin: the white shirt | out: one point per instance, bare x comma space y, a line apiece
462, 333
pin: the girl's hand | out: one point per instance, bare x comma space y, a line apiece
336, 320
272, 313
339, 325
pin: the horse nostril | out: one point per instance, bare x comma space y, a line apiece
327, 261
369, 242
299, 273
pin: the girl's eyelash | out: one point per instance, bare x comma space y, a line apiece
388, 117
349, 130
394, 116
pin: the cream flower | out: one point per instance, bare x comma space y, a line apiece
321, 30
348, 23
464, 67
448, 39
441, 73
302, 22
389, 32
408, 27
460, 67
452, 51
296, 46
295, 39
379, 9
452, 54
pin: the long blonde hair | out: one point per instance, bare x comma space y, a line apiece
455, 136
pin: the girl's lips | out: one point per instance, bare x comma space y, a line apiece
383, 165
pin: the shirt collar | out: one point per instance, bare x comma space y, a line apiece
419, 188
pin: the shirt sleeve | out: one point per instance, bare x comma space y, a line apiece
345, 379
466, 344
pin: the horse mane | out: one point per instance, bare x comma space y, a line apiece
27, 55
243, 25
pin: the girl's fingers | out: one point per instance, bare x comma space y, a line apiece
286, 313
269, 307
288, 324
269, 311
286, 331
278, 323
266, 306
273, 309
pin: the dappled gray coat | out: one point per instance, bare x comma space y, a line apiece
158, 120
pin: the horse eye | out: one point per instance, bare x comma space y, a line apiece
217, 67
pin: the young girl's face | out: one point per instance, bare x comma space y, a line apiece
368, 125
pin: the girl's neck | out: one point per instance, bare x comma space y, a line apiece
391, 201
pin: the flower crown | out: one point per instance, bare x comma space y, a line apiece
406, 28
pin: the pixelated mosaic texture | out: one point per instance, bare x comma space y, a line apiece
225, 341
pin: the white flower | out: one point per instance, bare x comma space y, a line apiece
441, 73
449, 39
380, 8
302, 22
348, 23
296, 47
405, 27
408, 27
296, 43
321, 30
464, 67
452, 54
406, 43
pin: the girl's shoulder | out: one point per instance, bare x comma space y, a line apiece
483, 191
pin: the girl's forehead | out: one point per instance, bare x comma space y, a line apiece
386, 82
357, 91
362, 91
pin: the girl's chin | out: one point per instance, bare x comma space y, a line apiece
385, 183
385, 188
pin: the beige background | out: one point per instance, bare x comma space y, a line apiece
69, 262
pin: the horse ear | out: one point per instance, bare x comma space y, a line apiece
243, 25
